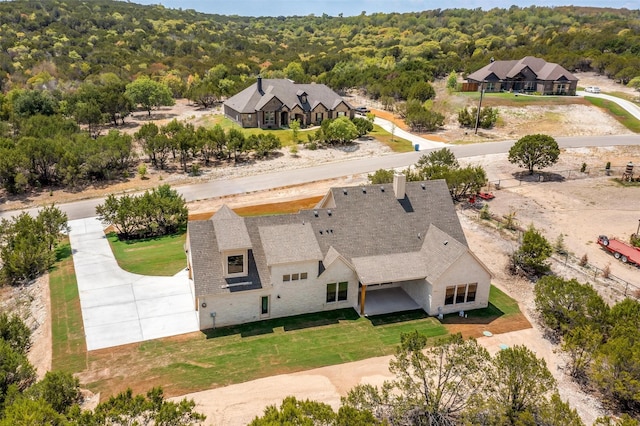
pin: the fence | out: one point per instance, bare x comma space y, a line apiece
556, 176
599, 278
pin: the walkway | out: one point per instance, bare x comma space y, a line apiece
422, 143
119, 307
630, 107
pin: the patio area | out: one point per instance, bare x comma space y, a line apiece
386, 301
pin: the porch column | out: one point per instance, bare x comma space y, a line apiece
363, 294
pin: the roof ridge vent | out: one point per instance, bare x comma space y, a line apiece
344, 191
315, 213
364, 190
329, 212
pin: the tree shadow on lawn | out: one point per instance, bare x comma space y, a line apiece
524, 176
298, 322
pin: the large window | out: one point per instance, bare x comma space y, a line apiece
341, 114
464, 293
235, 264
337, 291
269, 118
318, 117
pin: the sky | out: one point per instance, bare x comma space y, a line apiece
356, 7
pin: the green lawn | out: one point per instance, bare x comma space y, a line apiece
286, 136
68, 344
161, 256
619, 113
395, 143
231, 354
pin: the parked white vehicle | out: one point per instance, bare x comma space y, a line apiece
592, 89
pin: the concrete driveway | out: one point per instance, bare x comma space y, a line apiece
119, 307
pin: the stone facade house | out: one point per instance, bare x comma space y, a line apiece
273, 103
375, 248
528, 74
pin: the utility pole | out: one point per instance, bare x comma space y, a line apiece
479, 107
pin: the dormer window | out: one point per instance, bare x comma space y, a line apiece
235, 264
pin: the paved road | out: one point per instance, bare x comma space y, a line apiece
213, 189
202, 191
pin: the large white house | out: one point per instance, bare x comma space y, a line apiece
376, 248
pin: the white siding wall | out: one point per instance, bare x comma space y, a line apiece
419, 291
296, 297
466, 270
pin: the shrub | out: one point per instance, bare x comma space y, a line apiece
584, 260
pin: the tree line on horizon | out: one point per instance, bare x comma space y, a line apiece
57, 44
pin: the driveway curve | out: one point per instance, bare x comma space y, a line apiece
119, 307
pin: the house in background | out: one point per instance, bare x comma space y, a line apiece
529, 74
273, 103
376, 248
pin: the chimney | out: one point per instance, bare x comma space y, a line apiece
260, 85
399, 184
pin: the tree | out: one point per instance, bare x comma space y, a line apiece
55, 224
521, 382
149, 93
534, 151
531, 257
28, 412
58, 389
294, 125
363, 125
340, 130
488, 117
381, 176
15, 333
567, 305
161, 211
452, 81
442, 157
15, 371
125, 408
293, 411
432, 385
24, 249
422, 91
442, 164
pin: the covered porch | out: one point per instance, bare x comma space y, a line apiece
384, 301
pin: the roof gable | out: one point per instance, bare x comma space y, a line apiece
289, 243
289, 93
504, 70
231, 231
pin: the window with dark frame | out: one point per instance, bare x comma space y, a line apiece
303, 276
465, 293
295, 277
265, 305
286, 277
235, 264
342, 290
449, 295
331, 292
269, 117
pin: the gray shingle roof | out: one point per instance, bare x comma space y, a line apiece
504, 70
230, 229
289, 243
289, 93
439, 252
366, 222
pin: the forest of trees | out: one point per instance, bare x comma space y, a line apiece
54, 45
